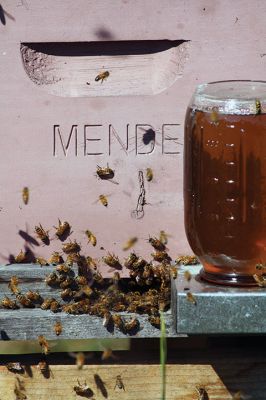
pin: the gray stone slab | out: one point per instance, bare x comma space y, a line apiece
218, 309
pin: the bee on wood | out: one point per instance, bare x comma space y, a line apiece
9, 304
261, 281
91, 237
202, 393
72, 258
258, 107
41, 261
34, 297
63, 269
149, 174
71, 247
102, 76
91, 262
130, 243
44, 344
155, 321
52, 279
42, 234
156, 244
55, 306
191, 298
63, 229
100, 385
25, 195
107, 318
21, 257
118, 322
81, 280
13, 285
98, 278
161, 256
24, 301
187, 275
105, 173
67, 294
47, 303
58, 328
260, 267
44, 368
15, 367
103, 199
133, 326
68, 282
119, 383
187, 260
112, 260
56, 258
83, 390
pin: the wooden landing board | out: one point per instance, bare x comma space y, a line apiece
140, 382
32, 322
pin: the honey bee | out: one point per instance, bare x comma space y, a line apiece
68, 282
91, 262
156, 244
214, 116
51, 279
202, 393
47, 303
149, 174
98, 278
118, 322
187, 260
56, 258
261, 281
105, 173
13, 285
102, 76
130, 243
63, 229
72, 258
71, 247
81, 280
160, 256
91, 237
173, 271
119, 383
80, 359
10, 304
191, 298
133, 326
187, 275
107, 318
24, 301
41, 261
67, 294
103, 199
260, 266
15, 367
130, 260
42, 234
107, 354
258, 107
155, 321
34, 296
55, 306
112, 260
63, 269
83, 390
163, 237
238, 396
58, 328
21, 257
44, 344
25, 195
44, 368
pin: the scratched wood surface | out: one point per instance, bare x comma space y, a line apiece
32, 322
222, 368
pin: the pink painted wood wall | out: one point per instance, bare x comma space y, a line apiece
46, 96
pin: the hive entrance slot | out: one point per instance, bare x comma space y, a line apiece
134, 67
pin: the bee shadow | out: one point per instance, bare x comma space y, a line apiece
28, 238
2, 15
101, 385
28, 370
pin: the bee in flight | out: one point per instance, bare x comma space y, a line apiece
105, 172
103, 199
149, 174
102, 76
91, 237
130, 243
63, 229
25, 195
